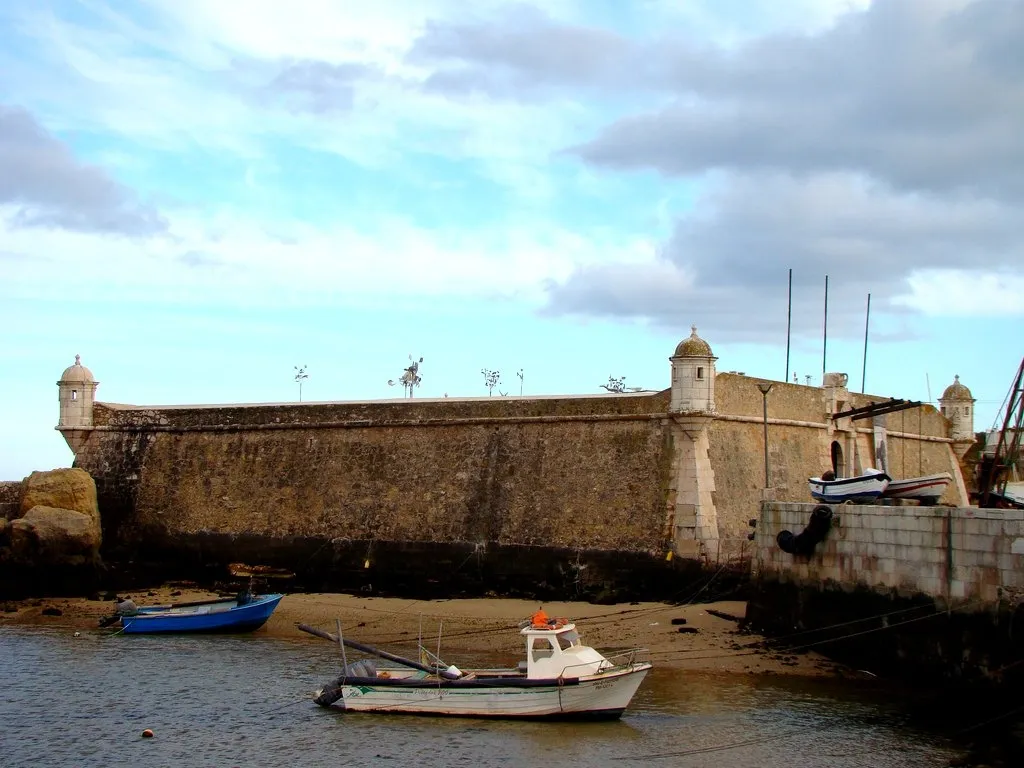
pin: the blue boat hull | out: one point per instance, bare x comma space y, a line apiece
223, 617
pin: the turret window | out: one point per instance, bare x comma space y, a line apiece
700, 372
74, 394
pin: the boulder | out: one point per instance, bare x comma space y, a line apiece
70, 489
52, 536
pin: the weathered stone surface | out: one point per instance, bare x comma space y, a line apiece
594, 473
70, 489
10, 498
51, 536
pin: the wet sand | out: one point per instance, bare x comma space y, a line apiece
710, 640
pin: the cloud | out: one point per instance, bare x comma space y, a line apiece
882, 151
728, 257
48, 187
522, 50
199, 259
319, 87
924, 96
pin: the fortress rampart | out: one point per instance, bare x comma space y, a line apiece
559, 489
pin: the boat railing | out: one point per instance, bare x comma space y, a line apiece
622, 660
625, 658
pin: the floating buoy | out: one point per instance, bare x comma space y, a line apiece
147, 734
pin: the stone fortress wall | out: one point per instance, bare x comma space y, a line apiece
674, 473
559, 472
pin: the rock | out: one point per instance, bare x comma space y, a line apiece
70, 489
51, 536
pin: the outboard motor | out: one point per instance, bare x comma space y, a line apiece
331, 692
804, 542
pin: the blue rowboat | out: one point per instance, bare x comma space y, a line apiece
229, 615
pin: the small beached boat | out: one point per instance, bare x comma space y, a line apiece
244, 613
561, 679
927, 489
863, 488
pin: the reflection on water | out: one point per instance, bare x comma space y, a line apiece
246, 701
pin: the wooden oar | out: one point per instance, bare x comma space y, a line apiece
382, 654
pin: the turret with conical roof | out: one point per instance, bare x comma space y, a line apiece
957, 405
693, 376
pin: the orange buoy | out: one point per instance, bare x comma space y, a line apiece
147, 734
539, 620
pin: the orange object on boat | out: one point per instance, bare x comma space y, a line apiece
539, 620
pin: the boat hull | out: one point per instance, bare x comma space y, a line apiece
866, 488
603, 696
928, 488
224, 617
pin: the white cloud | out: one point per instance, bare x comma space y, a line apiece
227, 260
963, 293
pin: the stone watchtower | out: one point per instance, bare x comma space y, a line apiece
957, 405
692, 409
693, 376
76, 392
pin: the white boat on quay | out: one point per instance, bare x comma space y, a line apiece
561, 679
927, 489
864, 488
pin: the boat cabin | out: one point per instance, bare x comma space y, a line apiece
558, 651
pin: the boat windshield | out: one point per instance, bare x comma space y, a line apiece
568, 639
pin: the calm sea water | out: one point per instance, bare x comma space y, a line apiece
245, 701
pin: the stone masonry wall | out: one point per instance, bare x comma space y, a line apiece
924, 593
953, 555
799, 441
545, 472
577, 472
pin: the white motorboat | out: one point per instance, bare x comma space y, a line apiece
862, 488
927, 489
561, 679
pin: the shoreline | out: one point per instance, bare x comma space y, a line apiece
705, 636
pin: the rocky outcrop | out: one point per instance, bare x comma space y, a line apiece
57, 523
70, 489
51, 536
10, 500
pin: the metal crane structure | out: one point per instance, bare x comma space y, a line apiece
996, 472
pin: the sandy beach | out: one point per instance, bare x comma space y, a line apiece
700, 637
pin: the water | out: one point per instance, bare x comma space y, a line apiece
245, 701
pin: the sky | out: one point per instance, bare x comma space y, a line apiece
200, 196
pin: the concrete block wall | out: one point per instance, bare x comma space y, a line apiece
954, 555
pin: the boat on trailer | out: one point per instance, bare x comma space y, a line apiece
243, 613
561, 678
927, 489
864, 488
